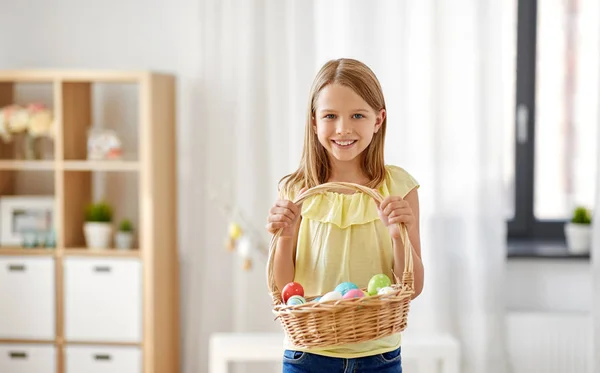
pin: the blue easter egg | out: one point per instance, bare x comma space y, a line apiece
295, 300
345, 286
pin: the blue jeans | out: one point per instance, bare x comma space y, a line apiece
304, 362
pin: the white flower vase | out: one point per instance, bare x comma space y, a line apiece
579, 238
97, 235
123, 240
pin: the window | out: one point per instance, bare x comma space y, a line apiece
552, 65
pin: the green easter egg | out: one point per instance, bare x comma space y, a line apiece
377, 282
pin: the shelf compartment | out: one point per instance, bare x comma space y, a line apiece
24, 94
88, 105
28, 203
83, 187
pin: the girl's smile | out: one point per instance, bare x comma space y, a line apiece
344, 144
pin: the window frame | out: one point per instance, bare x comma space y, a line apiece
524, 225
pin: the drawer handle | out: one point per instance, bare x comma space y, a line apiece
102, 269
17, 355
16, 268
102, 357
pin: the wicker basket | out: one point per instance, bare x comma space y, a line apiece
338, 322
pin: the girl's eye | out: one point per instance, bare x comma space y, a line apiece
329, 116
358, 116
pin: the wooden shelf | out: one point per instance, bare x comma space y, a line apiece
27, 341
101, 165
101, 343
52, 75
111, 253
27, 165
148, 199
70, 165
107, 253
19, 251
72, 343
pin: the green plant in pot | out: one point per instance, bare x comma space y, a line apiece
578, 231
98, 225
124, 235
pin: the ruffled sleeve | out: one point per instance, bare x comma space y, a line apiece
398, 182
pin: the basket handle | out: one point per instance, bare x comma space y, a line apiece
407, 275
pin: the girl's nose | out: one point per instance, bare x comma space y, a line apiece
343, 128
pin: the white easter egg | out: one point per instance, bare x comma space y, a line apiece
332, 295
385, 290
244, 246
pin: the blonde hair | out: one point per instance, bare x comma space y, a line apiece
314, 166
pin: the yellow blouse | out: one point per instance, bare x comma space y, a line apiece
341, 238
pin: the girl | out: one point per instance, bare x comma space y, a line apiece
336, 237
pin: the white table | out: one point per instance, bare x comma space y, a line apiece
230, 347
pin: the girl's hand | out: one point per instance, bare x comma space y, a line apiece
393, 211
284, 214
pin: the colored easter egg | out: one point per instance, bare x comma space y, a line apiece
235, 231
295, 300
353, 293
377, 282
293, 288
385, 290
344, 287
332, 295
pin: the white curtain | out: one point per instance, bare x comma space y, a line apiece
595, 268
439, 63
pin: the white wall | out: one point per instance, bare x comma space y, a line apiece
136, 34
549, 285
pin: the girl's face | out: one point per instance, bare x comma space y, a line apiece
344, 122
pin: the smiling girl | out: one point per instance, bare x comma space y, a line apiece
336, 237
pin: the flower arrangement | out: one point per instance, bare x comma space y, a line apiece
29, 122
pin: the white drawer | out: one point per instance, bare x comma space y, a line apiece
16, 358
103, 300
27, 298
91, 359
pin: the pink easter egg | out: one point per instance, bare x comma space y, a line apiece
354, 293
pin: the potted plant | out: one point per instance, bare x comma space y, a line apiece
578, 231
124, 236
98, 225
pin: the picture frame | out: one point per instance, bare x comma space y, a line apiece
24, 214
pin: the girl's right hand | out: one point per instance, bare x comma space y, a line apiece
284, 214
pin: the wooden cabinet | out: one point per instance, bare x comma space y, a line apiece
68, 308
97, 359
28, 302
25, 358
103, 300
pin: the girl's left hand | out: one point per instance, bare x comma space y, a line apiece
393, 211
